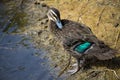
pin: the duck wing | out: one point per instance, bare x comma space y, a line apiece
79, 40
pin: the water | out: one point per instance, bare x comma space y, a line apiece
19, 60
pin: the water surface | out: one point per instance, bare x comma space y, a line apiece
19, 60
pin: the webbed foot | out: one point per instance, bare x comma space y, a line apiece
78, 65
75, 70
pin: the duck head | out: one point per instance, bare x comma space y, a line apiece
54, 15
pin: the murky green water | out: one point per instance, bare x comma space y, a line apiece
19, 60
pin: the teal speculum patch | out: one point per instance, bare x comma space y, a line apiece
81, 48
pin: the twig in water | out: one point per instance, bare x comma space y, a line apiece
114, 73
95, 73
98, 22
117, 38
6, 48
82, 13
69, 61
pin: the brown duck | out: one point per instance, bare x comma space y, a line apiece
78, 40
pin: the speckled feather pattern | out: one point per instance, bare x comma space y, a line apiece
73, 33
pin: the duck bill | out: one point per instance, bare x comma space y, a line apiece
59, 24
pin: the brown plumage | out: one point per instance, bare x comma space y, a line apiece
73, 34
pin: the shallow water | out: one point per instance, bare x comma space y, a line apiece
19, 60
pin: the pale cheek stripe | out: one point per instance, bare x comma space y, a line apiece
52, 16
53, 12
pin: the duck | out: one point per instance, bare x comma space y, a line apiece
78, 40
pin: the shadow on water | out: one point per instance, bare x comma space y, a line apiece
19, 60
11, 16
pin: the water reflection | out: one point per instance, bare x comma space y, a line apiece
12, 18
19, 60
